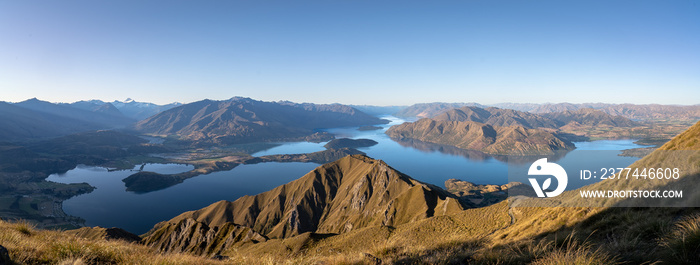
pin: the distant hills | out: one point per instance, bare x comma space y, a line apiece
429, 110
589, 117
36, 119
630, 111
18, 123
242, 120
498, 117
130, 108
141, 110
346, 195
103, 116
508, 117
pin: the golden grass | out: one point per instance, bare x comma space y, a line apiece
29, 246
683, 241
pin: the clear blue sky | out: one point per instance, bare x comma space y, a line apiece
353, 52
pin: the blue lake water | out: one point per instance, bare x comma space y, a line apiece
110, 205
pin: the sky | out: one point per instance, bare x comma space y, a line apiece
352, 52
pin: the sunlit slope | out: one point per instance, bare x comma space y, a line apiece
339, 197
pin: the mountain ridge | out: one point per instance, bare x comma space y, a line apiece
345, 195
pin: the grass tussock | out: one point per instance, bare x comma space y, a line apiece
573, 252
683, 241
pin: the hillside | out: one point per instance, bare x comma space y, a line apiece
347, 195
470, 135
498, 117
243, 120
28, 245
655, 231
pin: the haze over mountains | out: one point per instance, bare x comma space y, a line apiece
37, 119
134, 109
630, 111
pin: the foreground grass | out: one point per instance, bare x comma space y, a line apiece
28, 245
617, 236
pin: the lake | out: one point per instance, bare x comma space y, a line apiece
110, 205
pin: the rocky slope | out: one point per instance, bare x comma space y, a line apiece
241, 120
346, 195
470, 135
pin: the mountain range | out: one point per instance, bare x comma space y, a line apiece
244, 120
134, 109
19, 123
630, 111
34, 119
498, 117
